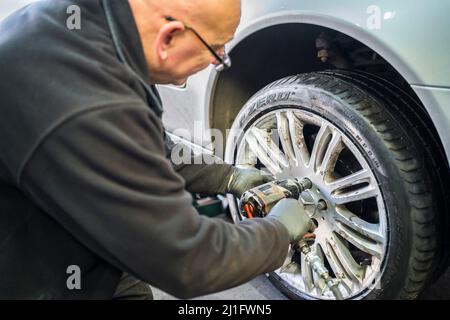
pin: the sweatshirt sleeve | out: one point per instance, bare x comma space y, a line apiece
202, 173
104, 176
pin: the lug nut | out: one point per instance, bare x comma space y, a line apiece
322, 205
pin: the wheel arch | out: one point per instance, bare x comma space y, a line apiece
226, 94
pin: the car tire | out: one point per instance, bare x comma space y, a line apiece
385, 128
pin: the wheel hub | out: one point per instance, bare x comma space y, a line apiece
313, 202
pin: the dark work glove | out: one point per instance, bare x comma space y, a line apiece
292, 215
243, 180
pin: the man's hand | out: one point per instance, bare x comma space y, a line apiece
292, 215
243, 180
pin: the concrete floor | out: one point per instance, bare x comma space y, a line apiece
261, 289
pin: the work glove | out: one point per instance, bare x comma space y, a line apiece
293, 216
242, 180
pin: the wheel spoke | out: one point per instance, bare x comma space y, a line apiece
345, 217
333, 150
298, 139
245, 157
289, 266
338, 270
343, 261
365, 192
320, 146
288, 259
364, 235
363, 176
286, 138
290, 130
261, 143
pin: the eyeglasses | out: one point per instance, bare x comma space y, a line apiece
224, 61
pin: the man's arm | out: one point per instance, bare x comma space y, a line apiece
105, 178
211, 179
214, 178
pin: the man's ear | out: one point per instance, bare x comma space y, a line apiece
165, 38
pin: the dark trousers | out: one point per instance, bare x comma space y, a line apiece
130, 288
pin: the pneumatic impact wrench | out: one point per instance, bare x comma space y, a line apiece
257, 203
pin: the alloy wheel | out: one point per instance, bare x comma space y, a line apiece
352, 236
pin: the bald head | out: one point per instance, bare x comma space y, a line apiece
219, 16
215, 20
209, 13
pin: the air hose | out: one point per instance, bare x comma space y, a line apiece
319, 268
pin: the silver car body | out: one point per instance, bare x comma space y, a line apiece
412, 36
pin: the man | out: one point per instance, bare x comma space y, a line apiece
85, 179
